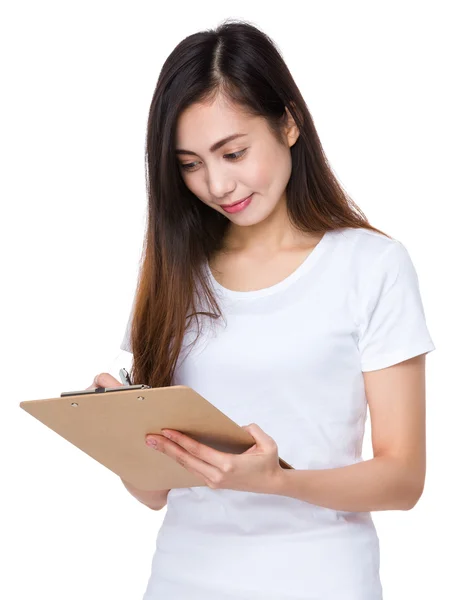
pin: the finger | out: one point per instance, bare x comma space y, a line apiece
104, 380
206, 471
220, 460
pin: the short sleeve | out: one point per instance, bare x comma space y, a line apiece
392, 324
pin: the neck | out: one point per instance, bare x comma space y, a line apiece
274, 234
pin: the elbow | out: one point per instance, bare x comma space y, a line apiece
412, 497
157, 505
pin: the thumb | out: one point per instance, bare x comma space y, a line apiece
260, 436
105, 380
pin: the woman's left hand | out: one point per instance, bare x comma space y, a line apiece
255, 470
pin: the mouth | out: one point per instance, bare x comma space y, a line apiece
236, 206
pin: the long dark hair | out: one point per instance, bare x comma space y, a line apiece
243, 64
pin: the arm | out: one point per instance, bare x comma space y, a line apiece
155, 500
377, 484
394, 478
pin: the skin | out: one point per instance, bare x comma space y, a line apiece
263, 228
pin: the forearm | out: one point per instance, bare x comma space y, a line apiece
153, 499
381, 483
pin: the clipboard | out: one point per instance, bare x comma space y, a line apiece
111, 427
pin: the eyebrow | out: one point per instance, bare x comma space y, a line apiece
216, 145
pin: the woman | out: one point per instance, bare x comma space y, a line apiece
289, 312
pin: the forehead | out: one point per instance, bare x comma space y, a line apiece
200, 125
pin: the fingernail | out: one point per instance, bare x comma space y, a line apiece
151, 442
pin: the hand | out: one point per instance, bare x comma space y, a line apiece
255, 470
104, 380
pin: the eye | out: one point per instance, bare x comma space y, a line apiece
234, 156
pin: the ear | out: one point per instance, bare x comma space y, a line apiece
291, 129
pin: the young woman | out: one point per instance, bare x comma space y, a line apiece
264, 288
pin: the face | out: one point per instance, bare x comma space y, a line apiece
254, 164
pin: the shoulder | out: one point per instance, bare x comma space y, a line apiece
366, 240
367, 250
370, 266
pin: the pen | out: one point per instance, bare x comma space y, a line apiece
125, 377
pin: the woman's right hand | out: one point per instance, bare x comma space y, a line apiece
104, 380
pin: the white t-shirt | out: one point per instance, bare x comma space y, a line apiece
290, 358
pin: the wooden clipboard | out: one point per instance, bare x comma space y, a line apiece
111, 428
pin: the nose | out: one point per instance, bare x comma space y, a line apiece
220, 184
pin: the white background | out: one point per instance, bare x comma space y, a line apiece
380, 80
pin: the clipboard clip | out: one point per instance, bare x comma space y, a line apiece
100, 390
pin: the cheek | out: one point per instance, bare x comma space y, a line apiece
194, 185
260, 175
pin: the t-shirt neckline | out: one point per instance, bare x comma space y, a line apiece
303, 268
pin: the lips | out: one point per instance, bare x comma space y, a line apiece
239, 206
234, 203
